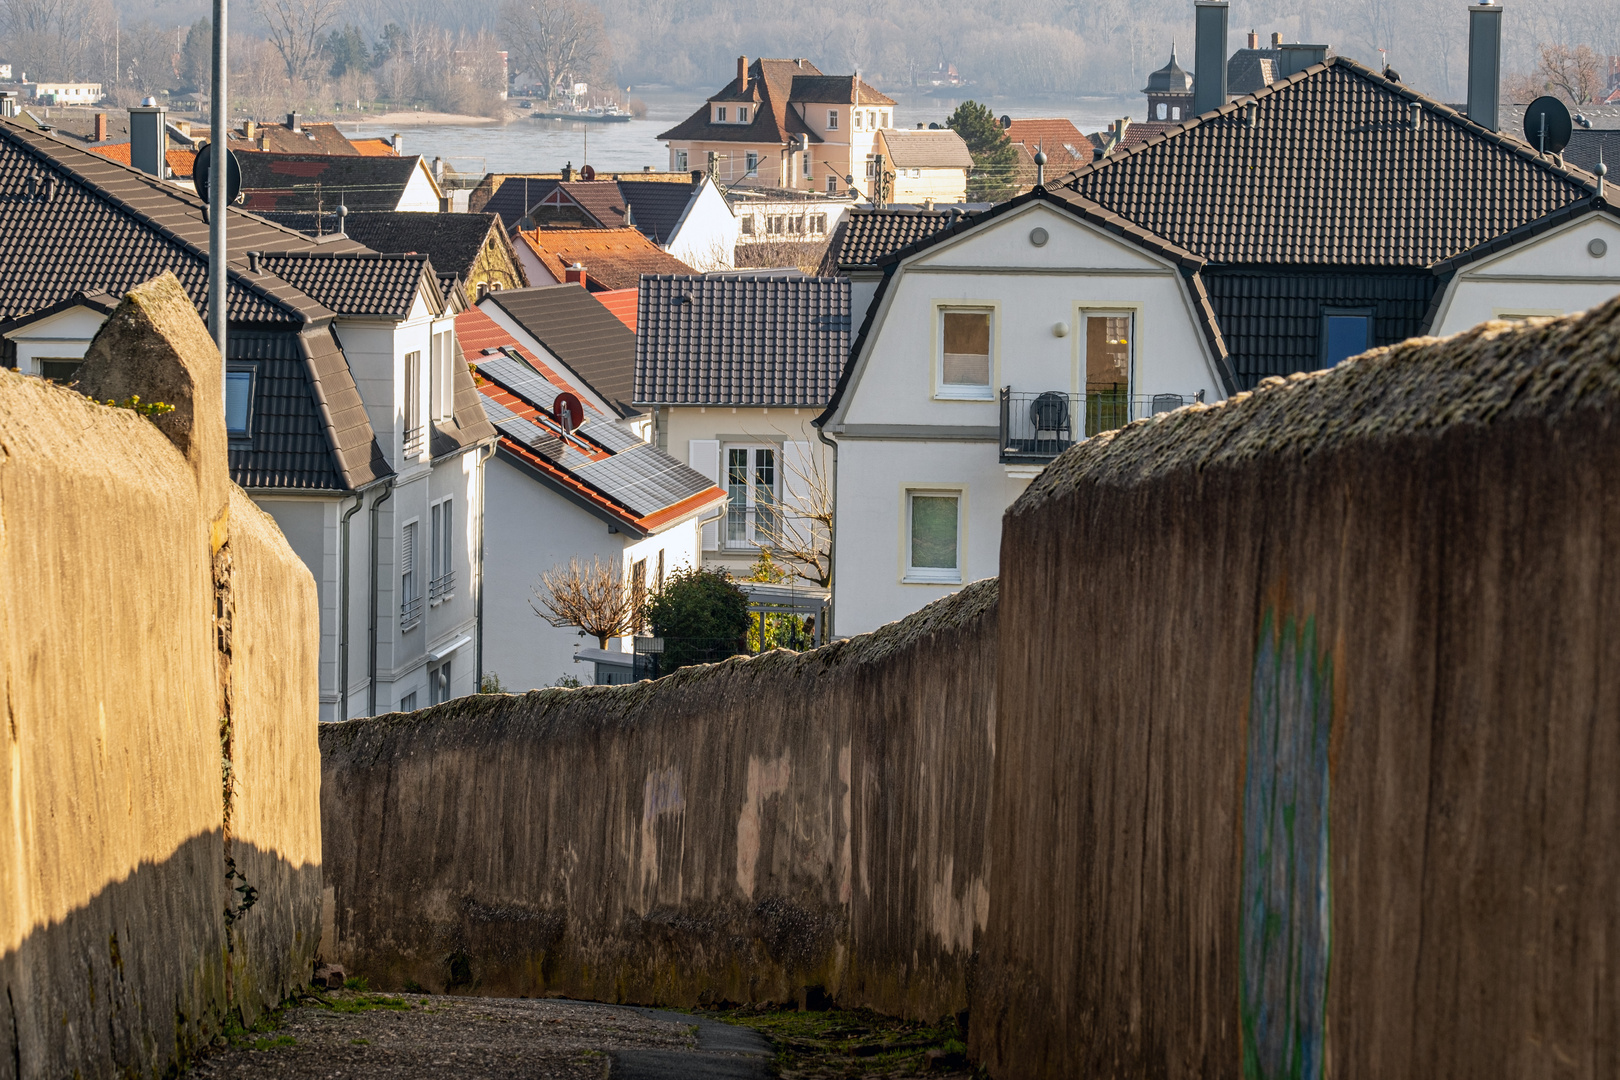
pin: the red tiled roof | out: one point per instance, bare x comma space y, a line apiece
180, 161
476, 332
622, 303
1057, 135
613, 258
374, 147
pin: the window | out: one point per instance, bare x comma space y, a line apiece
748, 224
832, 119
408, 702
871, 166
439, 683
719, 114
795, 225
59, 371
238, 402
871, 119
1108, 371
774, 224
832, 185
751, 488
751, 161
965, 359
410, 591
916, 174
742, 114
858, 114
933, 536
442, 585
1162, 112
1345, 332
680, 161
809, 165
443, 385
1175, 112
414, 441
883, 118
818, 224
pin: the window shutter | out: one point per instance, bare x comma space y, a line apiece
438, 541
407, 560
704, 456
449, 536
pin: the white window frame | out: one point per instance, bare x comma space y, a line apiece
858, 114
746, 224
750, 509
809, 164
410, 580
818, 224
442, 576
680, 161
932, 575
832, 184
439, 682
412, 430
966, 391
742, 114
832, 119
442, 377
408, 702
750, 163
883, 118
720, 114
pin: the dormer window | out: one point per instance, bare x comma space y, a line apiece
719, 114
742, 114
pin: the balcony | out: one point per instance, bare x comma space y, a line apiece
1037, 427
442, 588
410, 614
415, 442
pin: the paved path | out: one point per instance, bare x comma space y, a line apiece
411, 1036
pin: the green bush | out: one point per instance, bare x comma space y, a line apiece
702, 616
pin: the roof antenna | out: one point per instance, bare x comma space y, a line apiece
342, 213
1602, 170
1040, 167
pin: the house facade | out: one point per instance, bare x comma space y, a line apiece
783, 124
922, 167
733, 370
1184, 269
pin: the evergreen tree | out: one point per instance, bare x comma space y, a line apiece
346, 49
197, 57
995, 158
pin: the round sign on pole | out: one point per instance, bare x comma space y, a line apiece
568, 411
1547, 125
202, 173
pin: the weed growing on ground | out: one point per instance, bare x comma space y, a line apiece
257, 1036
845, 1043
357, 982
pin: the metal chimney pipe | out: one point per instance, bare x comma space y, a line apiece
1485, 64
148, 137
1209, 56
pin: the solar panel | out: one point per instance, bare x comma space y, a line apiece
521, 379
644, 479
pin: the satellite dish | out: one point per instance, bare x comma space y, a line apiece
203, 166
1006, 121
1547, 125
567, 411
587, 173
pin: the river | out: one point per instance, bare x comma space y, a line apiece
523, 145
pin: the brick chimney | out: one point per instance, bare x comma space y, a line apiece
568, 172
101, 127
250, 130
1276, 40
575, 275
742, 74
1254, 40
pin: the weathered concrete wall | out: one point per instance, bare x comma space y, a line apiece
734, 832
125, 636
1310, 728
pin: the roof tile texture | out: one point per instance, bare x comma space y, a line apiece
597, 348
613, 258
866, 236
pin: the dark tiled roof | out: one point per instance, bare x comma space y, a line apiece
835, 89
741, 341
452, 241
770, 85
1247, 70
1170, 79
865, 237
656, 206
1331, 173
357, 282
516, 195
583, 335
289, 181
1585, 144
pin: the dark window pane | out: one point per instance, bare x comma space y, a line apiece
1346, 336
59, 371
933, 531
238, 395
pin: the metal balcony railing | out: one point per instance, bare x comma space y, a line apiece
748, 525
415, 441
1038, 426
443, 588
410, 613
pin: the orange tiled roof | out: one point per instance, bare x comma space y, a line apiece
1058, 136
180, 161
613, 258
374, 147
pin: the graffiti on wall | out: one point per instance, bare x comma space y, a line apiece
1286, 898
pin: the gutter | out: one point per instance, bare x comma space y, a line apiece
371, 688
832, 537
343, 605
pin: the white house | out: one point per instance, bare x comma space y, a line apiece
1235, 247
556, 493
923, 167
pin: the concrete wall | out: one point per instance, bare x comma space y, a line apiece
1309, 724
158, 649
730, 833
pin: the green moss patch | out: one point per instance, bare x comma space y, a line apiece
848, 1043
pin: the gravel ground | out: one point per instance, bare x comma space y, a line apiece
406, 1036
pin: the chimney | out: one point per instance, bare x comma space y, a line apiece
147, 138
568, 172
101, 127
399, 145
575, 275
1484, 63
1296, 58
1254, 40
697, 177
742, 74
250, 130
1276, 40
292, 122
1209, 56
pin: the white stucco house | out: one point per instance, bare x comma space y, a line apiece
1271, 236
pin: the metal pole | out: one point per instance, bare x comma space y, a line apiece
218, 124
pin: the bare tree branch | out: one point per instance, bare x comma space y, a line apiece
800, 532
554, 39
595, 597
297, 28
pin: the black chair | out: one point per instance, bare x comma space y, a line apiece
1050, 412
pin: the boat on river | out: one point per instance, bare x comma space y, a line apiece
595, 114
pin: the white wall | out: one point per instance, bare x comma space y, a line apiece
64, 336
311, 528
1553, 274
421, 194
707, 235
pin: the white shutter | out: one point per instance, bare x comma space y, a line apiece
798, 469
407, 562
704, 456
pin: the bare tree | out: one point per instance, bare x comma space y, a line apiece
551, 39
1576, 75
800, 532
297, 28
595, 597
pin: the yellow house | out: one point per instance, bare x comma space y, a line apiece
923, 166
783, 124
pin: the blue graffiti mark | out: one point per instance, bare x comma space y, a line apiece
661, 793
1286, 897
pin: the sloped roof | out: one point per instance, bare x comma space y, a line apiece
1170, 79
836, 90
373, 147
1589, 145
1331, 173
596, 348
926, 149
613, 258
308, 139
1062, 141
770, 86
180, 162
358, 282
453, 241
741, 340
1247, 70
289, 181
865, 237
655, 206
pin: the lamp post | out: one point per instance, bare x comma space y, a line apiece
218, 122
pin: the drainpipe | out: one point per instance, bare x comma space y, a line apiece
832, 536
371, 688
343, 605
478, 586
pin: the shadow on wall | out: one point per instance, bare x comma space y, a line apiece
736, 832
158, 645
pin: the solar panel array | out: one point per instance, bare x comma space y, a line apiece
644, 478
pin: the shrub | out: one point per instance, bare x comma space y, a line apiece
702, 617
